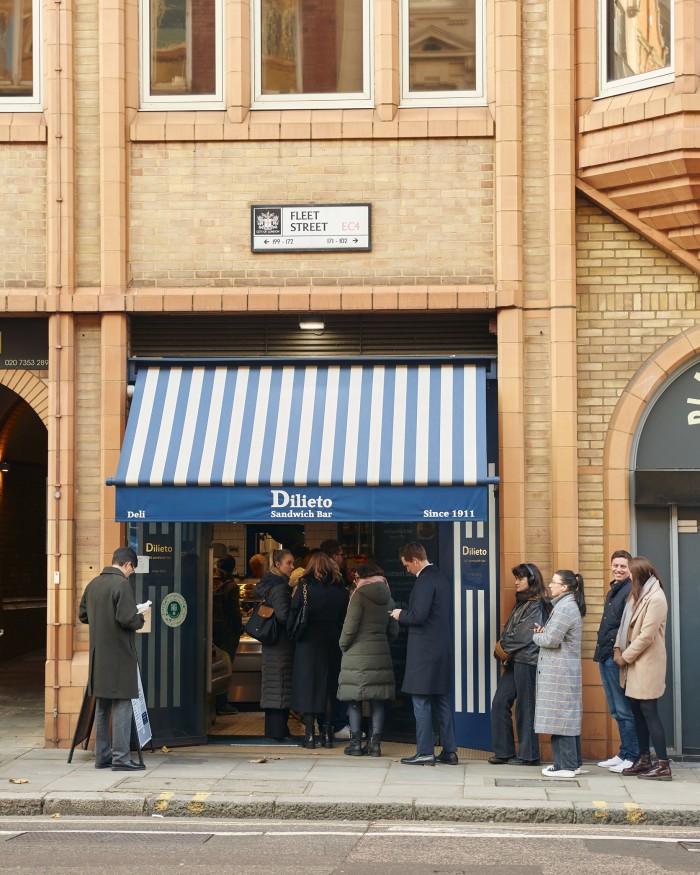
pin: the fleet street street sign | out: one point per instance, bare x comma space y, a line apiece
311, 228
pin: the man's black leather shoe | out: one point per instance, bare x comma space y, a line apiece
107, 765
447, 758
131, 766
424, 760
499, 761
516, 761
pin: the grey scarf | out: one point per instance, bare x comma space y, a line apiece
630, 605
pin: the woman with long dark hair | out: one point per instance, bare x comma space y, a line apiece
277, 659
559, 693
640, 651
366, 669
317, 655
517, 653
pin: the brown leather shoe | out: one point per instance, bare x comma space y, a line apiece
643, 764
661, 771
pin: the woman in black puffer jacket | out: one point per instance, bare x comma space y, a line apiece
277, 659
518, 656
367, 671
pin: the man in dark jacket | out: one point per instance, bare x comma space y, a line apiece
610, 673
109, 607
429, 676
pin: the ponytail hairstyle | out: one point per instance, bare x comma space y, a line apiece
272, 558
574, 585
641, 570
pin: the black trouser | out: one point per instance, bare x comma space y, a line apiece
648, 723
518, 681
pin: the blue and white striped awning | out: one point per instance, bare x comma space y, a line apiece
350, 424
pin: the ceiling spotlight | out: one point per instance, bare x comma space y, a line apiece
311, 322
4, 467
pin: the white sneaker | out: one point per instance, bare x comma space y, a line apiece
624, 764
613, 761
343, 733
580, 771
552, 772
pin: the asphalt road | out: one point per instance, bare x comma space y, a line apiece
141, 846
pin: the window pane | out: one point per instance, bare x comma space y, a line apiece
639, 37
16, 48
442, 45
312, 46
183, 46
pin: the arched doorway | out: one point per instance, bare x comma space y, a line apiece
665, 491
23, 471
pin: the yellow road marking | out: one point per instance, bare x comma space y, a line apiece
635, 812
196, 806
163, 799
601, 809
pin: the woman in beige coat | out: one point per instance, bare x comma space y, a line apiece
640, 651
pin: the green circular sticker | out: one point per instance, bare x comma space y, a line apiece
173, 609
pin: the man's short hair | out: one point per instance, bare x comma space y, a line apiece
413, 550
621, 554
330, 547
122, 555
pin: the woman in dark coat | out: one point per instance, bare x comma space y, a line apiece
518, 654
317, 655
366, 669
277, 659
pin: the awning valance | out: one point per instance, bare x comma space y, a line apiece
304, 425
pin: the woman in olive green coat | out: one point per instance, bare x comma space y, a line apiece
366, 670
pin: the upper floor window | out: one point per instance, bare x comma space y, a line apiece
637, 41
311, 52
19, 62
442, 51
182, 59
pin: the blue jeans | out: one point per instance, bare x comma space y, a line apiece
619, 707
423, 710
566, 752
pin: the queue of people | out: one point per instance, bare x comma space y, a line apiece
540, 656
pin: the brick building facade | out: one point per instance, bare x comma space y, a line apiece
563, 208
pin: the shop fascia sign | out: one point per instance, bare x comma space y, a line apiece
310, 227
289, 504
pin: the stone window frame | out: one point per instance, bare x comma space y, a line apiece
162, 102
609, 88
477, 97
34, 103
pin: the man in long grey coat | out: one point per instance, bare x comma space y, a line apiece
109, 607
429, 675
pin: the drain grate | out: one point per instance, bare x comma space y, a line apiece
534, 782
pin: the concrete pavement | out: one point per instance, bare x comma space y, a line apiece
229, 781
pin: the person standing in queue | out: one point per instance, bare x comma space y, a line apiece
429, 675
109, 608
277, 659
517, 653
618, 704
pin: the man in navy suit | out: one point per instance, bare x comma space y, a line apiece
429, 676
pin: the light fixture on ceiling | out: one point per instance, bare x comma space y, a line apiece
311, 322
4, 467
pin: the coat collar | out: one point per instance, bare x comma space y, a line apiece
655, 587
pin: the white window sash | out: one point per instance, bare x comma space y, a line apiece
334, 100
477, 97
165, 102
25, 103
608, 88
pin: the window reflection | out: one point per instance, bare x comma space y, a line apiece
639, 37
312, 46
183, 46
16, 48
442, 45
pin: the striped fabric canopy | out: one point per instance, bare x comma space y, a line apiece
304, 424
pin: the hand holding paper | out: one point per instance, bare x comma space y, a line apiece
143, 607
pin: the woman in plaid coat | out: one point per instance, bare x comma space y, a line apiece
559, 697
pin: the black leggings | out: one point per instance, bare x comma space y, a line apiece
648, 723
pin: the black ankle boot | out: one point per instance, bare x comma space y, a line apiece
309, 740
374, 748
327, 735
355, 749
